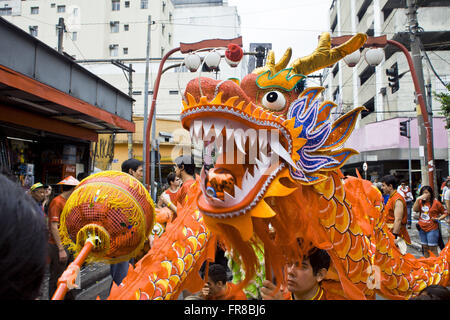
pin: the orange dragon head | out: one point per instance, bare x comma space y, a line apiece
270, 139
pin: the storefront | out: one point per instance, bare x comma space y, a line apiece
52, 111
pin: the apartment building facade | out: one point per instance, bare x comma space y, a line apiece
96, 29
377, 135
97, 32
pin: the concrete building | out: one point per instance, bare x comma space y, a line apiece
377, 135
96, 29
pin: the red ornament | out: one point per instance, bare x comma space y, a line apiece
233, 54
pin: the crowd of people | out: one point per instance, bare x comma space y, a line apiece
30, 240
402, 206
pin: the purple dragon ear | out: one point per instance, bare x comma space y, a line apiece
341, 130
325, 112
322, 136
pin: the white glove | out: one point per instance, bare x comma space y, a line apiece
165, 197
401, 245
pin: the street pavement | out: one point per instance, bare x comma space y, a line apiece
96, 280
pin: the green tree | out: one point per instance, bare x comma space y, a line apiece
444, 99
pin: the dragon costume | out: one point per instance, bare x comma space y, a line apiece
279, 154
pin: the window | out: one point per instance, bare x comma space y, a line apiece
163, 28
366, 74
170, 38
162, 51
370, 106
370, 31
137, 93
113, 50
127, 4
114, 26
336, 96
126, 27
115, 5
5, 11
33, 30
144, 4
61, 9
172, 92
334, 24
75, 12
34, 10
74, 36
362, 11
335, 70
125, 50
387, 13
52, 5
163, 6
170, 16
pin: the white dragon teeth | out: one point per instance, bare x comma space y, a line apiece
237, 134
278, 149
262, 139
229, 199
239, 140
237, 191
197, 130
206, 128
264, 158
261, 165
218, 127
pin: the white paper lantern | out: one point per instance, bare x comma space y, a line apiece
192, 62
212, 60
374, 56
352, 59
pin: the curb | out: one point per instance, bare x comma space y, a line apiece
98, 289
92, 273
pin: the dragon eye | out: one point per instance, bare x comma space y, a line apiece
274, 100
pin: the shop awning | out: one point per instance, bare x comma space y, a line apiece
45, 90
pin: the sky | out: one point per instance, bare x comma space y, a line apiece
284, 23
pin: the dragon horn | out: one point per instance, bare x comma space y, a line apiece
272, 66
324, 56
284, 60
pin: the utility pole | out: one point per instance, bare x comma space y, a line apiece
425, 164
409, 156
130, 93
60, 27
130, 71
147, 62
405, 131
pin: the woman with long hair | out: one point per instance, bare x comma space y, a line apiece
431, 211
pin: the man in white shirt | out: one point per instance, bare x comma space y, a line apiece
404, 190
445, 194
